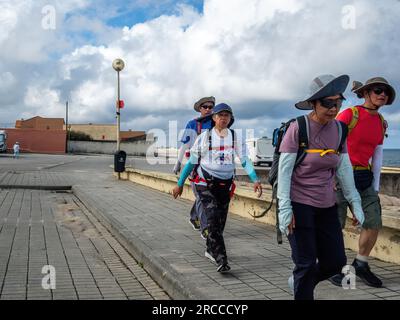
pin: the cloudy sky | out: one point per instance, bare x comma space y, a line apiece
257, 55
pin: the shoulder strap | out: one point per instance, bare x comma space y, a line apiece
384, 125
303, 138
354, 119
343, 131
199, 126
303, 132
233, 139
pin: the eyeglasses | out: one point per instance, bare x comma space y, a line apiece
378, 91
209, 107
331, 103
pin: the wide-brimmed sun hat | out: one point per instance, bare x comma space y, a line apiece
198, 104
359, 87
325, 85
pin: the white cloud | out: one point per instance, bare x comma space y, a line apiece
253, 54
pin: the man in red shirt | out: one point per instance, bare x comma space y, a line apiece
365, 147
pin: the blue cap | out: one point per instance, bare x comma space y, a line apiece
222, 107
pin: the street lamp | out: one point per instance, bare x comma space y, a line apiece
118, 65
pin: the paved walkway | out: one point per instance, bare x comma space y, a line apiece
154, 228
39, 228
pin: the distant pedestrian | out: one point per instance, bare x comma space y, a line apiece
212, 157
16, 150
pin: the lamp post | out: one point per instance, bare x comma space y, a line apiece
66, 126
118, 65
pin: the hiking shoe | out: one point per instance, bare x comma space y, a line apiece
204, 234
209, 256
291, 284
365, 274
223, 267
195, 224
337, 279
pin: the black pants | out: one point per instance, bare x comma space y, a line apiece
317, 248
215, 204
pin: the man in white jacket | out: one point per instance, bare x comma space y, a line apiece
367, 130
16, 150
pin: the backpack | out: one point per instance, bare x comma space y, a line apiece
354, 121
195, 176
277, 138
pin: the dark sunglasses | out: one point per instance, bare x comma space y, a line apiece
331, 103
379, 90
207, 107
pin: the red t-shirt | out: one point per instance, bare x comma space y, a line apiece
365, 136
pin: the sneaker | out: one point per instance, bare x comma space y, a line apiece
365, 274
209, 256
337, 279
204, 234
223, 267
291, 284
195, 224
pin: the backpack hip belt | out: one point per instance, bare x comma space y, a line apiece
358, 168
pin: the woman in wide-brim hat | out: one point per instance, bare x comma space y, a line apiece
307, 201
364, 90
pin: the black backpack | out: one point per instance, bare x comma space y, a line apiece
277, 138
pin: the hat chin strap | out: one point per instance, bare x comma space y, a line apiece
376, 107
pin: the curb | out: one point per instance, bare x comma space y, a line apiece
177, 286
35, 187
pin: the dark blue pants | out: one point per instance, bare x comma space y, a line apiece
317, 248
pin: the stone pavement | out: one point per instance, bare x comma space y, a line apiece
157, 230
154, 228
39, 228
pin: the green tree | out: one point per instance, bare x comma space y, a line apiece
79, 136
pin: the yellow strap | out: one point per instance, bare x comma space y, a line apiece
322, 152
356, 168
354, 119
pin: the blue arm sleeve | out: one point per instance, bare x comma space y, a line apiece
248, 167
187, 170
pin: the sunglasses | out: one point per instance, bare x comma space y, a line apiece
209, 107
331, 103
378, 91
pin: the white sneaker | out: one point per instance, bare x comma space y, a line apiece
209, 256
291, 284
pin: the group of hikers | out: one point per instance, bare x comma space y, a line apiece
328, 162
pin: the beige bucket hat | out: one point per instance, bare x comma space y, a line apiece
359, 87
198, 104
